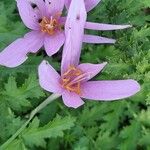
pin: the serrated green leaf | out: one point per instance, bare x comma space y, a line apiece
35, 135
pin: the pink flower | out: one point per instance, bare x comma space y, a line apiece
73, 83
45, 21
43, 17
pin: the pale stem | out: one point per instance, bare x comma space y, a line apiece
33, 113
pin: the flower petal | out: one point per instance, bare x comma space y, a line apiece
89, 4
16, 53
49, 78
54, 7
34, 40
67, 3
91, 69
104, 27
74, 30
97, 39
28, 15
71, 99
53, 43
109, 90
41, 6
62, 20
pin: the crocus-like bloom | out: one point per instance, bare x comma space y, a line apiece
73, 83
43, 17
90, 4
45, 21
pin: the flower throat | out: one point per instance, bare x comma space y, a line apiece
72, 78
51, 25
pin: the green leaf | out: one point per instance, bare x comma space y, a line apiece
35, 135
105, 141
16, 145
130, 136
18, 96
9, 123
144, 141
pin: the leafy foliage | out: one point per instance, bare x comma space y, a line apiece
35, 135
121, 125
18, 97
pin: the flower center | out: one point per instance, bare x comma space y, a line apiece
50, 26
71, 80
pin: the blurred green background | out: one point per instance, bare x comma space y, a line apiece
121, 125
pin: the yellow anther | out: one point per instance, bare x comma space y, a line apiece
68, 77
50, 26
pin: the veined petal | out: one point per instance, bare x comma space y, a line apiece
104, 27
41, 6
28, 15
109, 90
16, 53
74, 30
54, 7
34, 40
97, 39
71, 99
53, 43
49, 78
89, 4
91, 69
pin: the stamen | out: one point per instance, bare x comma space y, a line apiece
51, 25
71, 79
81, 77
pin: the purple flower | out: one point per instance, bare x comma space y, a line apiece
44, 18
73, 83
45, 21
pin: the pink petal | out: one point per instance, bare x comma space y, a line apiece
104, 27
109, 90
91, 69
54, 7
71, 99
41, 6
97, 39
53, 43
28, 15
67, 3
34, 40
16, 53
49, 78
62, 20
89, 4
74, 30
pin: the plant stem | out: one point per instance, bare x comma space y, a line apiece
33, 113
